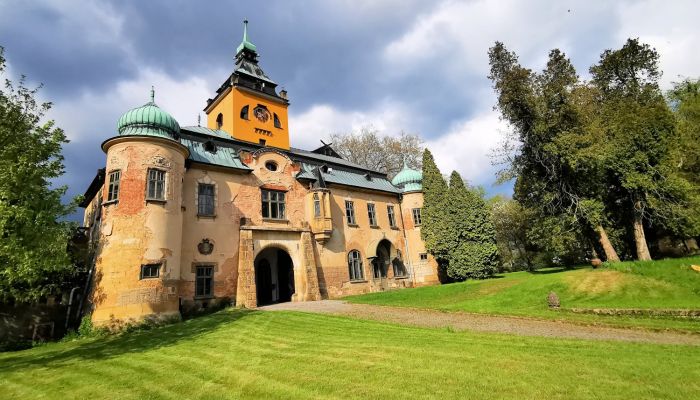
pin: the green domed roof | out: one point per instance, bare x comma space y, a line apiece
408, 179
148, 120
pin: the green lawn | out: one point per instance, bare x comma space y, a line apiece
664, 284
239, 354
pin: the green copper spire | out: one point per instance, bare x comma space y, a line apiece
245, 44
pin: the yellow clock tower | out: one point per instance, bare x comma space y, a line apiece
247, 105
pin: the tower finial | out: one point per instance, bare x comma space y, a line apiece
245, 43
405, 163
153, 94
199, 119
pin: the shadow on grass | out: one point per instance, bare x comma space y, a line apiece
111, 346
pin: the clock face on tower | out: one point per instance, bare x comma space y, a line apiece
261, 114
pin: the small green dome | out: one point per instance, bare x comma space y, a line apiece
148, 120
409, 180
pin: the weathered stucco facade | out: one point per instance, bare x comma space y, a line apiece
182, 218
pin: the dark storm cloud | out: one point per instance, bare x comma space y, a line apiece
43, 44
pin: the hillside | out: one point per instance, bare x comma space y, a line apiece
656, 285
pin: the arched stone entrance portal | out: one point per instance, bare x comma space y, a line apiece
274, 276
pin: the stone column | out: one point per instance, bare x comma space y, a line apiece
246, 295
309, 268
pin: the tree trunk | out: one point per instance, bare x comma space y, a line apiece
640, 240
610, 253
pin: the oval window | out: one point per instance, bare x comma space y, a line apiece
271, 165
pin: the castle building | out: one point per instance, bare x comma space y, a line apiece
182, 218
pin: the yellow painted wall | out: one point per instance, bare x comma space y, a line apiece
230, 107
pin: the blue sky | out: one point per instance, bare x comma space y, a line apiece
414, 66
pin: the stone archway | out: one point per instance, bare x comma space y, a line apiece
274, 276
380, 263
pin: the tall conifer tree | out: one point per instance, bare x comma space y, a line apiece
473, 252
434, 212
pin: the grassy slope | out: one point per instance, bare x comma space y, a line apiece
656, 284
236, 354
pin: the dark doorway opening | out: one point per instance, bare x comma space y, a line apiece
274, 276
381, 261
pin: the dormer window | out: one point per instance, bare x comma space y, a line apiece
219, 121
210, 146
244, 112
278, 124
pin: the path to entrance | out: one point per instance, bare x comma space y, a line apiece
484, 323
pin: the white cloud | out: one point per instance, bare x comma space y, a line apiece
183, 99
673, 31
321, 120
467, 146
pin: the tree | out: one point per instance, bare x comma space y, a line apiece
511, 221
380, 153
434, 212
471, 238
639, 136
34, 239
555, 176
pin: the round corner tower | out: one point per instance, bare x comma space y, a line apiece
137, 267
423, 265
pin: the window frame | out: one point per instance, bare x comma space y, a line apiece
397, 263
113, 186
276, 121
150, 266
150, 181
280, 205
245, 112
372, 214
417, 219
317, 206
219, 121
200, 202
350, 212
355, 268
391, 215
423, 256
204, 281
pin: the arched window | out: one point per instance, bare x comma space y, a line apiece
399, 266
278, 124
355, 266
219, 121
244, 112
317, 206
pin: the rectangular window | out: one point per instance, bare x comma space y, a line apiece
203, 282
423, 256
205, 200
355, 266
372, 214
350, 212
150, 271
156, 184
317, 206
113, 189
392, 218
273, 204
416, 216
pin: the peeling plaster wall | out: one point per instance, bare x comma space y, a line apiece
136, 232
334, 276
